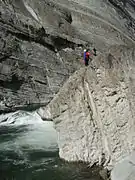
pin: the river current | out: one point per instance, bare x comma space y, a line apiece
29, 151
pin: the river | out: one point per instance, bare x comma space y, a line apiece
29, 151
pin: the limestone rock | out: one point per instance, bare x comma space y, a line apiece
94, 111
32, 68
41, 44
125, 170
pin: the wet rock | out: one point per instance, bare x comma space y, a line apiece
104, 174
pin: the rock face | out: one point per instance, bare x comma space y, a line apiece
32, 68
125, 170
94, 111
41, 44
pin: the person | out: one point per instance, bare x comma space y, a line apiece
84, 54
86, 57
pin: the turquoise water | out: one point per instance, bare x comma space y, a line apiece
29, 151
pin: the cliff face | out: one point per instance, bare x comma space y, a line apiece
94, 111
32, 68
40, 47
41, 44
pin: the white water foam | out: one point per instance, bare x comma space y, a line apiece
34, 132
20, 118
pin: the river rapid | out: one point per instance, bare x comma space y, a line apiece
29, 151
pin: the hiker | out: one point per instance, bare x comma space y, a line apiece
84, 54
86, 57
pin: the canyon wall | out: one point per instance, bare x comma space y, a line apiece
42, 42
41, 49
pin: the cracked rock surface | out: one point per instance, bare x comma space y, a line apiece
41, 44
94, 111
32, 68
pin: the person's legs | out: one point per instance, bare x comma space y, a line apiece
86, 62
